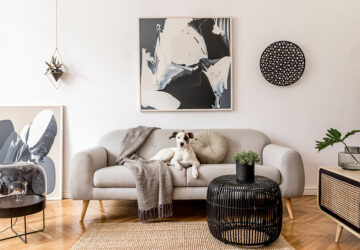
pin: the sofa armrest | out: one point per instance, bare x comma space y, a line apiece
83, 166
291, 168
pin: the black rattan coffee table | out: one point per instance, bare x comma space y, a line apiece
30, 204
244, 213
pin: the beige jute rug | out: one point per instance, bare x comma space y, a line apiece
162, 235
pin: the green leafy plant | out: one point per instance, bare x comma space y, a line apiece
246, 158
332, 137
54, 66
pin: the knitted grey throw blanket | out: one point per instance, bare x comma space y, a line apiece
154, 183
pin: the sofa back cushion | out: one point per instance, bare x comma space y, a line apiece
237, 140
111, 141
242, 140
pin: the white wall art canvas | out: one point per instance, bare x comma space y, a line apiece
185, 64
34, 134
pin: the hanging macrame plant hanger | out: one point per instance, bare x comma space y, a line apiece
56, 68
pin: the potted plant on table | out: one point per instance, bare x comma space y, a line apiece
55, 68
350, 158
245, 165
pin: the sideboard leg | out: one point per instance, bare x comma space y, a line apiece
84, 208
289, 208
338, 233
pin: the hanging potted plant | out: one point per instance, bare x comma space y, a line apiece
55, 68
245, 166
350, 158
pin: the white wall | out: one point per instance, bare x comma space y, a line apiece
98, 41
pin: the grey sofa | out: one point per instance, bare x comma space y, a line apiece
94, 174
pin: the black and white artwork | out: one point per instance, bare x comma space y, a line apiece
31, 134
185, 64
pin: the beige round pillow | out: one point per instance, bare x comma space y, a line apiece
209, 146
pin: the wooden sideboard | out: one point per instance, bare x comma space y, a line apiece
339, 198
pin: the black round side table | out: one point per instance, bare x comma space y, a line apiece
22, 192
11, 208
244, 213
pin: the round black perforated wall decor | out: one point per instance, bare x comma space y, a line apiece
282, 63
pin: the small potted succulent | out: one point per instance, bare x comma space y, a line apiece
350, 158
245, 165
55, 68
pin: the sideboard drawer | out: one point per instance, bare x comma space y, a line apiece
339, 197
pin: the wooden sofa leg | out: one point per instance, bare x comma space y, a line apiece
289, 208
84, 208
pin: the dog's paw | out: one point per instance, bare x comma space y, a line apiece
195, 174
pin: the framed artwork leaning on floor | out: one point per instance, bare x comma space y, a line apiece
34, 134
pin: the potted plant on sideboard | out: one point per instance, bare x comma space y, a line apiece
245, 166
350, 158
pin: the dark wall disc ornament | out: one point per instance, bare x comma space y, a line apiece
282, 63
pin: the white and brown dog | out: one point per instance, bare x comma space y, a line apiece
181, 156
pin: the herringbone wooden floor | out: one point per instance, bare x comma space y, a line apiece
310, 229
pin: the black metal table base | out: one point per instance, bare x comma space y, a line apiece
24, 239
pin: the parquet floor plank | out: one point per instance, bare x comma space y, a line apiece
310, 229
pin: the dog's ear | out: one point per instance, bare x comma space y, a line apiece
191, 135
173, 135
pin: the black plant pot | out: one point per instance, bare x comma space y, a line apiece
57, 74
245, 173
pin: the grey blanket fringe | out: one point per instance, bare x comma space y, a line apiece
162, 211
154, 183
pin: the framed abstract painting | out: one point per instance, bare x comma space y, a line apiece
185, 64
34, 134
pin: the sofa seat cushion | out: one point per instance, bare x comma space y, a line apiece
208, 172
121, 176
